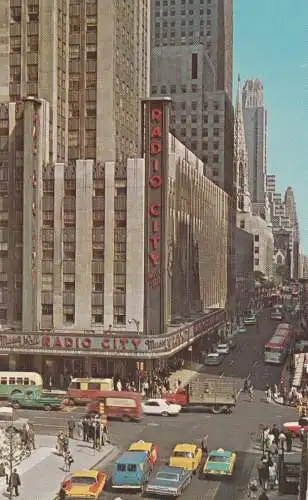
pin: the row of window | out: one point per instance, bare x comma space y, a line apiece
184, 33
167, 3
183, 12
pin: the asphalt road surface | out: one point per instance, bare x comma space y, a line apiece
237, 432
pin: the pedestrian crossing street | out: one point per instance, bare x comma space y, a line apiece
257, 448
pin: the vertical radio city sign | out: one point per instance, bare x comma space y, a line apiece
155, 149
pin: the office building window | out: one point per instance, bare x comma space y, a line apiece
256, 262
256, 237
242, 224
194, 66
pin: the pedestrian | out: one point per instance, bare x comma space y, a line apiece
251, 393
80, 428
261, 470
62, 493
289, 440
204, 447
282, 440
85, 429
272, 473
71, 427
263, 496
68, 461
14, 482
253, 489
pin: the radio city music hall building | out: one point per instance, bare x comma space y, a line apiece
108, 270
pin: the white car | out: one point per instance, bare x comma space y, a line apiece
160, 407
223, 349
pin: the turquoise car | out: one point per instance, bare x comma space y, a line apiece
219, 463
131, 471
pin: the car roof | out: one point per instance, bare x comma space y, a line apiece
135, 457
220, 453
184, 447
140, 446
159, 400
173, 470
85, 473
223, 345
213, 355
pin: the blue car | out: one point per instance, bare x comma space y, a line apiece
169, 481
131, 470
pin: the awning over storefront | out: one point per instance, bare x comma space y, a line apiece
106, 344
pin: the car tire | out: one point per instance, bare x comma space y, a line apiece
164, 414
47, 407
16, 405
125, 418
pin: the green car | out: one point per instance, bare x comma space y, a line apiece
34, 399
219, 463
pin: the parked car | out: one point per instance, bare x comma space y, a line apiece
169, 481
160, 407
223, 349
213, 359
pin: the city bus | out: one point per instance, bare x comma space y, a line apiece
278, 347
17, 382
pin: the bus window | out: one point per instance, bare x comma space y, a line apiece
19, 381
75, 385
12, 380
94, 386
26, 381
3, 380
32, 382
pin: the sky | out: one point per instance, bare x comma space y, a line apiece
271, 43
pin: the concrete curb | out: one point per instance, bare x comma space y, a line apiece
105, 457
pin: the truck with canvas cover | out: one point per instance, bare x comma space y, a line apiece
218, 394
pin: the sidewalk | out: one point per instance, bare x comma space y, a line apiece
42, 473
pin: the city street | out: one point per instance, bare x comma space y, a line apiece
237, 431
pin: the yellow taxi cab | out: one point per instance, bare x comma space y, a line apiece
150, 448
187, 456
85, 484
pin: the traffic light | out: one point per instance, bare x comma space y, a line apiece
101, 408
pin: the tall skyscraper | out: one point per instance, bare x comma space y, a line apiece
241, 158
208, 23
191, 61
63, 156
34, 61
254, 114
290, 209
108, 77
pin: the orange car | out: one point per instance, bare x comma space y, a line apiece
85, 484
150, 448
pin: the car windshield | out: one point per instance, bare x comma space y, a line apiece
183, 454
83, 480
167, 476
222, 346
216, 459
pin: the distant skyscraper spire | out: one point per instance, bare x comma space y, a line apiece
241, 156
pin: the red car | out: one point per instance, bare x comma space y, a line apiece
296, 427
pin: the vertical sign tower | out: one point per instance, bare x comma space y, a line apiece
155, 140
